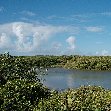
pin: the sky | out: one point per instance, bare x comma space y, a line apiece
55, 27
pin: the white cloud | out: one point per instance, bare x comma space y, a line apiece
86, 17
94, 29
21, 43
102, 53
5, 42
71, 41
28, 13
56, 45
28, 37
76, 18
106, 13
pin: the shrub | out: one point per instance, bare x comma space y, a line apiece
15, 68
54, 103
90, 98
21, 95
85, 98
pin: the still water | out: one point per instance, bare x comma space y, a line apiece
60, 78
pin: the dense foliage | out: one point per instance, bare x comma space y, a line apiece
72, 62
21, 90
89, 63
21, 95
85, 98
15, 68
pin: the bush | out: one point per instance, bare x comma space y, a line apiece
15, 68
90, 98
54, 103
85, 98
21, 95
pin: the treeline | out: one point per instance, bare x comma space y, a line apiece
71, 62
21, 90
46, 61
89, 63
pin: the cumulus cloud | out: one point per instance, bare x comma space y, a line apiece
5, 42
21, 43
94, 29
29, 37
71, 41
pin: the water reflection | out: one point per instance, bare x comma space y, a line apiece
70, 81
60, 78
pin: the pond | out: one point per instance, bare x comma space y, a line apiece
60, 78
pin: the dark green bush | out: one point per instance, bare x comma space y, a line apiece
90, 98
54, 103
15, 68
89, 63
85, 98
21, 95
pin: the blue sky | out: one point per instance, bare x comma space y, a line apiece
55, 27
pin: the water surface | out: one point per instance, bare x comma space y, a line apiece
60, 78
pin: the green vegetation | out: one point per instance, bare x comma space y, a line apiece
21, 95
21, 90
71, 62
89, 63
85, 98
